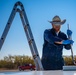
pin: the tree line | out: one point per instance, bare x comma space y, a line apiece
68, 60
13, 62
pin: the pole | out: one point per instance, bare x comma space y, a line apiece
70, 38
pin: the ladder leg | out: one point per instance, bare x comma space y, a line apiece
31, 42
8, 25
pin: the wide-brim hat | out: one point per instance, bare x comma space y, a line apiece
57, 21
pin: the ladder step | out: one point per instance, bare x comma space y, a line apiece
30, 41
2, 38
35, 56
25, 27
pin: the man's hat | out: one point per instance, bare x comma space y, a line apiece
57, 21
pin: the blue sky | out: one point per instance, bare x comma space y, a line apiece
38, 13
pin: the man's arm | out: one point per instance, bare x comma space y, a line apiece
53, 39
50, 38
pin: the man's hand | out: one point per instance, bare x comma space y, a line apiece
65, 42
69, 32
58, 42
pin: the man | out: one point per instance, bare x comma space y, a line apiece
54, 41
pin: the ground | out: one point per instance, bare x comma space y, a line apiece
52, 72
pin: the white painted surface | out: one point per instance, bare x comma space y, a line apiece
58, 72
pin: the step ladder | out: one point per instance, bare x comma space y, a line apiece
27, 30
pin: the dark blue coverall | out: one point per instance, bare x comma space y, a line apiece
52, 53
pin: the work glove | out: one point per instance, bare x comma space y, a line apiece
69, 32
65, 42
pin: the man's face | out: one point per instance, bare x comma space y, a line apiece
56, 27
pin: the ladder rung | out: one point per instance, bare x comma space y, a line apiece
26, 26
35, 56
30, 41
2, 38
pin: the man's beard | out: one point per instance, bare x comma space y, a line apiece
56, 30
